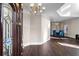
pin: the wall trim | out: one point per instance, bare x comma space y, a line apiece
69, 37
35, 43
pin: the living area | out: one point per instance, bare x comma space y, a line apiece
65, 29
65, 26
51, 33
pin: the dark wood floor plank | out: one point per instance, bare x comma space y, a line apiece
52, 48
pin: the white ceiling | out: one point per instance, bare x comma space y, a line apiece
50, 11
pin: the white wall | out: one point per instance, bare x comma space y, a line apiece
45, 27
36, 29
26, 28
73, 27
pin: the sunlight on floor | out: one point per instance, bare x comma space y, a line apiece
68, 45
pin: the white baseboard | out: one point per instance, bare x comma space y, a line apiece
34, 43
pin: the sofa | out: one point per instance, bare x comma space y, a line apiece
59, 33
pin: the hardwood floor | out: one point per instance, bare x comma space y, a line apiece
53, 48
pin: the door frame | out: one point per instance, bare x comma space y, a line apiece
17, 25
1, 33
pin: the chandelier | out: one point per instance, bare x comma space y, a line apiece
37, 8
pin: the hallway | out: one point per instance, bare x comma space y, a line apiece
53, 48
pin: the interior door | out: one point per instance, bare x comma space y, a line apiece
11, 29
7, 29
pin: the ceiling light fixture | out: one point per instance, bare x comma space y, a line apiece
41, 11
37, 8
32, 4
43, 8
40, 4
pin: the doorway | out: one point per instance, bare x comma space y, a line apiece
11, 29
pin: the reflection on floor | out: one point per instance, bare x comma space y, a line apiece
54, 47
69, 45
